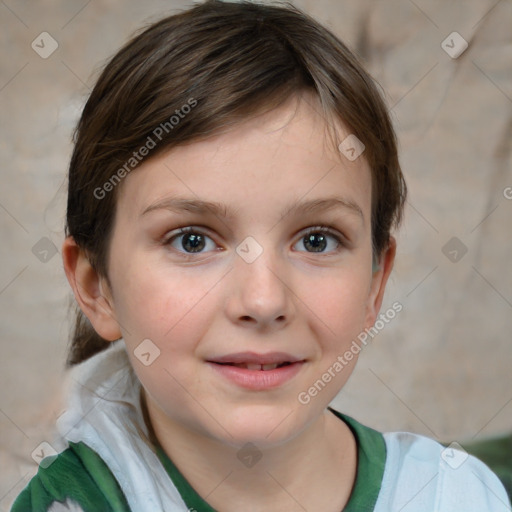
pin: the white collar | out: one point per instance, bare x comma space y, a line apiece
104, 412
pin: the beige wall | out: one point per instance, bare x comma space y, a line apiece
442, 366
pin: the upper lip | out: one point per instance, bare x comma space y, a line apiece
255, 358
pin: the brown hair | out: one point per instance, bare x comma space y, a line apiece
230, 61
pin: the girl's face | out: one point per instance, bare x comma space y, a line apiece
238, 253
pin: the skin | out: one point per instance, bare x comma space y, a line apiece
199, 305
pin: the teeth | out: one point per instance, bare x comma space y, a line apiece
254, 366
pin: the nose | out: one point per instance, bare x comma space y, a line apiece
261, 294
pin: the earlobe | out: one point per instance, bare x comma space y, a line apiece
90, 291
381, 272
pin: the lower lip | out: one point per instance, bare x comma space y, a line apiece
258, 379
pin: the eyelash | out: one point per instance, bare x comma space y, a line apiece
325, 230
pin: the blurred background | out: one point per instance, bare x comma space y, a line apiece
441, 367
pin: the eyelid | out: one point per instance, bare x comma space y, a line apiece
325, 229
168, 236
341, 239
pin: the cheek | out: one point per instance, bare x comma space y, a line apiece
172, 309
170, 386
339, 310
155, 301
339, 302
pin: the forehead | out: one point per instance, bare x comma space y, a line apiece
257, 167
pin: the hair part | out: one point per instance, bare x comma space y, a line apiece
235, 61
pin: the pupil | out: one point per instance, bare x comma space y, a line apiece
195, 243
316, 241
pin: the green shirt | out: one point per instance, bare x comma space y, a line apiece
79, 474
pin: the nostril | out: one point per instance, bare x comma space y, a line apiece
248, 318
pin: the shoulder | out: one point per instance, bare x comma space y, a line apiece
75, 479
422, 474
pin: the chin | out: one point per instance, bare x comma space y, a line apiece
265, 426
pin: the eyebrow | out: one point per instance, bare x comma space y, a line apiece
199, 206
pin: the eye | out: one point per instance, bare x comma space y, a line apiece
190, 240
316, 239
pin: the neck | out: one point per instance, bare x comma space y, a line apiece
313, 471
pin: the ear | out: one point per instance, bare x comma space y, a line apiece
380, 277
91, 291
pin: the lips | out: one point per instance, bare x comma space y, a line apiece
254, 361
257, 371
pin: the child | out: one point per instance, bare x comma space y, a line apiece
232, 192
